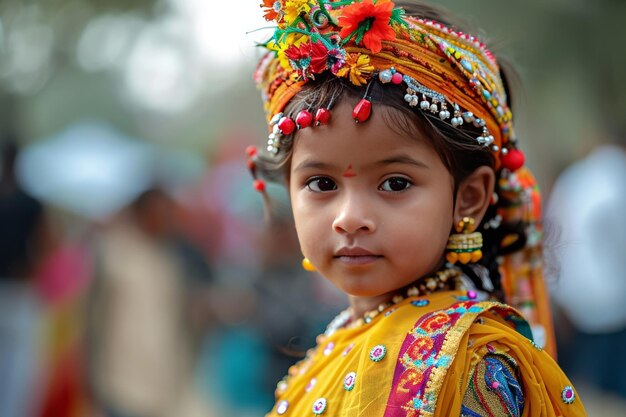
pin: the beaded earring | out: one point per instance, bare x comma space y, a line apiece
464, 246
307, 265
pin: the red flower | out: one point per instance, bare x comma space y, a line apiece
300, 58
319, 57
369, 22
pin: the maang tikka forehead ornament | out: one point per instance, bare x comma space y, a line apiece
447, 74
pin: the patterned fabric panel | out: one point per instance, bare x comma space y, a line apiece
494, 389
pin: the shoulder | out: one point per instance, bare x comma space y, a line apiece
448, 346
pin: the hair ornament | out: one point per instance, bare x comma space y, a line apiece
363, 108
448, 74
304, 119
322, 116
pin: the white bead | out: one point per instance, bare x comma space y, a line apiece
413, 101
433, 108
276, 118
385, 76
424, 105
442, 115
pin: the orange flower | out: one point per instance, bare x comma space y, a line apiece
368, 22
272, 9
357, 68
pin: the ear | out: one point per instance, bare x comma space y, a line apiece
474, 194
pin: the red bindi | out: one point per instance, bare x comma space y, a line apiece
349, 172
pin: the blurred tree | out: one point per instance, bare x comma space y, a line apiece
38, 41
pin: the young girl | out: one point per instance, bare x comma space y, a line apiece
393, 133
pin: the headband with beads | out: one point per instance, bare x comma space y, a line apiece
447, 74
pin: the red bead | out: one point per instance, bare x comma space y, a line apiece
259, 185
322, 116
304, 119
286, 125
251, 151
362, 110
251, 165
396, 78
513, 160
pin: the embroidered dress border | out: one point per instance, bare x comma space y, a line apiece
426, 354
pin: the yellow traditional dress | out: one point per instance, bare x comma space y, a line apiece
443, 354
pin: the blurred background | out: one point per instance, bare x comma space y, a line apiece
137, 277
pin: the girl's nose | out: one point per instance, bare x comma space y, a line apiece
354, 215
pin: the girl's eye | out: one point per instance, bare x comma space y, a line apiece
395, 184
321, 184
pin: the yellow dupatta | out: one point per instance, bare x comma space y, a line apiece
415, 360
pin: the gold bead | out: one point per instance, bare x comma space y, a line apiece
476, 256
465, 257
307, 265
452, 257
413, 292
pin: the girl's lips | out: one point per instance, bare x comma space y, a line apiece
358, 259
356, 256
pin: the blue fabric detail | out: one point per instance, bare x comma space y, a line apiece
468, 412
444, 361
417, 403
509, 389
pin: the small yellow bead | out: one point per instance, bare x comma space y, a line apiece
476, 255
452, 257
307, 265
465, 257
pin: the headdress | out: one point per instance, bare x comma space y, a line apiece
446, 73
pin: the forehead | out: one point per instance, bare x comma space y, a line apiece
344, 141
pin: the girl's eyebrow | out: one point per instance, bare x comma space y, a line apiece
402, 159
309, 163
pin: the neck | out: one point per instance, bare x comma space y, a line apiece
361, 305
442, 279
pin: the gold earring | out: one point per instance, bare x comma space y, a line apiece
464, 246
307, 265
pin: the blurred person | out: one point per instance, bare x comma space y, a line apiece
140, 350
587, 206
22, 243
423, 213
293, 304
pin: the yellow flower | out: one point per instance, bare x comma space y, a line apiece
292, 39
293, 8
357, 68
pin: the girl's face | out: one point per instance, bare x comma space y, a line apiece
373, 208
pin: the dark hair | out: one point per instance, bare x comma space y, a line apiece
458, 149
